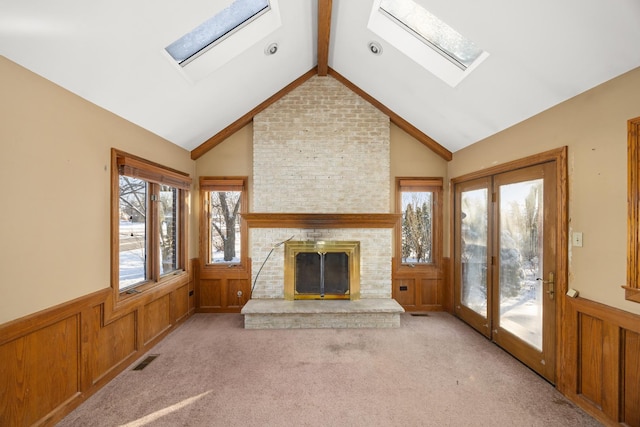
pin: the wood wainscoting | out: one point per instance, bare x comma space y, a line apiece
53, 360
600, 367
222, 290
422, 289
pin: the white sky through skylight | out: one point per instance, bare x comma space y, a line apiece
436, 33
215, 29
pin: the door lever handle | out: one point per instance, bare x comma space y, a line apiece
549, 282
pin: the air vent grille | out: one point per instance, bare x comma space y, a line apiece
145, 362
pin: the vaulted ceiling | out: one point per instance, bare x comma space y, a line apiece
112, 54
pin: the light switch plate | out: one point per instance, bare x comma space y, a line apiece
577, 239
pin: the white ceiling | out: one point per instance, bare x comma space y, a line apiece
112, 54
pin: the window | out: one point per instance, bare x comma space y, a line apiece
148, 222
224, 199
426, 39
214, 30
432, 31
419, 236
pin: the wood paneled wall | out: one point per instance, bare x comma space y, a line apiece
420, 290
600, 367
52, 361
222, 290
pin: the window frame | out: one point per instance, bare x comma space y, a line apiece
435, 186
210, 184
154, 175
632, 287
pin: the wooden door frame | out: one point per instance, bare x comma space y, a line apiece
559, 156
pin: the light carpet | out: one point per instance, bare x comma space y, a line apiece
432, 371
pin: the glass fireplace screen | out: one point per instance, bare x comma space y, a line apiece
319, 274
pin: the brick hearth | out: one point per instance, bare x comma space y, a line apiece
281, 314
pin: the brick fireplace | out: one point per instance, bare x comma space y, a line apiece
321, 160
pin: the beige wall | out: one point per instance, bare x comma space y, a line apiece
54, 219
409, 157
593, 126
232, 157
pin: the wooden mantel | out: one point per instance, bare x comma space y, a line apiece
321, 220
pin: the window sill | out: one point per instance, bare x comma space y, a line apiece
426, 271
224, 265
152, 288
240, 268
418, 265
631, 294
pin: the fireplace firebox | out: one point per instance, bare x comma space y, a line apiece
322, 270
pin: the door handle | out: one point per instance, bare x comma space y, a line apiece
549, 282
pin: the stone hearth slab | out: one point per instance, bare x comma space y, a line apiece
284, 314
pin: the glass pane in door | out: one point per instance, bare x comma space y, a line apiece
473, 246
520, 259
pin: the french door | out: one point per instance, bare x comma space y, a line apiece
505, 235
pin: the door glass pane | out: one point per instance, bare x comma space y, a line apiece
473, 243
133, 231
521, 216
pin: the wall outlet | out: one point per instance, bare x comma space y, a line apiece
577, 239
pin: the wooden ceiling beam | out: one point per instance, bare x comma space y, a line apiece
203, 148
324, 35
396, 119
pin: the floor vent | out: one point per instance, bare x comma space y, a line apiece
145, 362
420, 314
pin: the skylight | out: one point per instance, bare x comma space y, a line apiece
437, 34
424, 38
238, 14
